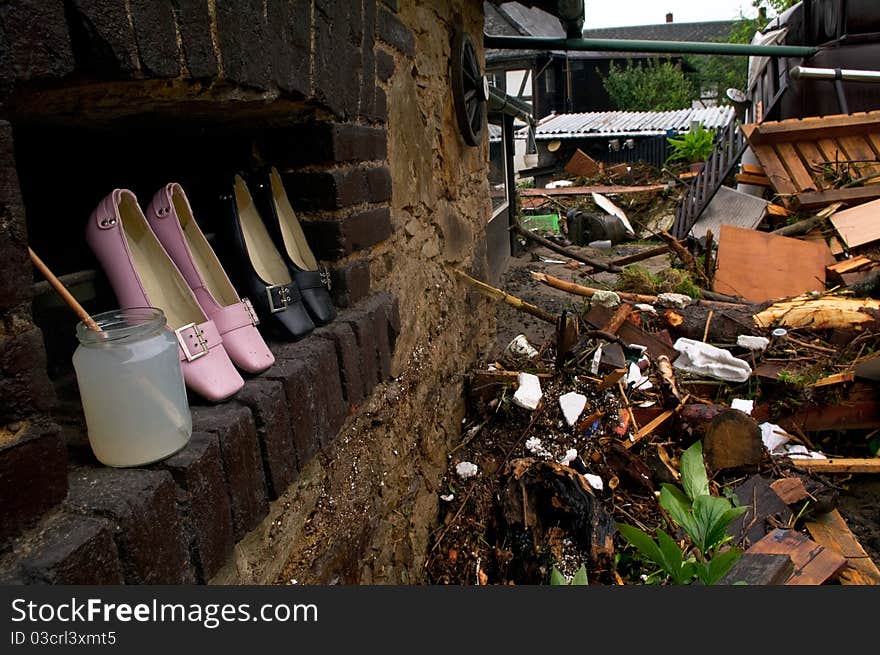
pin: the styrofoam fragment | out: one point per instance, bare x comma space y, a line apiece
774, 437
752, 343
674, 300
705, 359
743, 405
644, 307
637, 379
569, 456
572, 405
606, 298
595, 481
466, 470
529, 393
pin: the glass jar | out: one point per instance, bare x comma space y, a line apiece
132, 388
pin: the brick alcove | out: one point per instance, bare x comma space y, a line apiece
95, 97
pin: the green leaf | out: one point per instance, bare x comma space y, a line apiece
642, 542
693, 472
712, 516
580, 578
556, 578
720, 565
679, 507
673, 561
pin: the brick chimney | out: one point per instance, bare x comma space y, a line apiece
669, 17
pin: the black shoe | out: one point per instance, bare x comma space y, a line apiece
287, 234
257, 268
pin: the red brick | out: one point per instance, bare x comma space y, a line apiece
349, 356
301, 393
350, 282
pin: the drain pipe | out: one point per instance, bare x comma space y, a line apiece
838, 76
502, 103
500, 42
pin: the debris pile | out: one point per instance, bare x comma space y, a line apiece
732, 394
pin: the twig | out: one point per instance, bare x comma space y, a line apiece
519, 229
708, 322
455, 517
513, 301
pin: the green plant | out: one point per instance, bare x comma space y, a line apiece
653, 86
557, 578
704, 519
694, 145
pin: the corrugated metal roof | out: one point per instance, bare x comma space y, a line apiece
630, 123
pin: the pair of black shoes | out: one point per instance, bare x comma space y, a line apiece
269, 258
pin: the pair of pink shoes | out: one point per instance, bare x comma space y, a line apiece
162, 259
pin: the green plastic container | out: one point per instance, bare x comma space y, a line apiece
541, 222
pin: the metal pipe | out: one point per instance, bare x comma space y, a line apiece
507, 104
847, 75
633, 45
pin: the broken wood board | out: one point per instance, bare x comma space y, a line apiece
790, 490
587, 190
631, 334
831, 531
808, 159
858, 409
839, 465
759, 266
826, 313
755, 180
813, 564
851, 264
759, 569
765, 511
858, 225
582, 164
730, 207
837, 378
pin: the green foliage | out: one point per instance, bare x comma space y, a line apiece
704, 519
694, 145
653, 86
557, 578
638, 279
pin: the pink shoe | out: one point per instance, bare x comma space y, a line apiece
143, 275
171, 218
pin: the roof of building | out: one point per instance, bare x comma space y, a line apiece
703, 31
630, 123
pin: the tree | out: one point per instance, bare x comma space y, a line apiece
653, 86
716, 72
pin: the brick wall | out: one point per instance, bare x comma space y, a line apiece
337, 95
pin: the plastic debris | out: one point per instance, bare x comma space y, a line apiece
466, 470
774, 438
529, 393
558, 183
743, 405
601, 244
797, 451
572, 405
597, 359
447, 497
637, 379
614, 210
569, 456
606, 298
674, 300
752, 343
704, 359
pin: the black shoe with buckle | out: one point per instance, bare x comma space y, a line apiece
287, 234
256, 267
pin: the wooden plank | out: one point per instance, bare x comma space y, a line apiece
797, 172
831, 531
790, 490
859, 149
751, 169
851, 264
775, 170
759, 266
837, 378
815, 127
778, 210
858, 225
588, 190
834, 155
813, 564
759, 569
631, 334
756, 180
859, 409
839, 465
582, 164
765, 511
814, 160
812, 199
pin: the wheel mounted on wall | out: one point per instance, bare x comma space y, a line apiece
470, 89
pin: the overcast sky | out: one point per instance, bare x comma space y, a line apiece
612, 13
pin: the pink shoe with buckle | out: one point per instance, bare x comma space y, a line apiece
143, 275
172, 220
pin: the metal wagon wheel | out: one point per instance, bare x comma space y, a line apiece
470, 89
